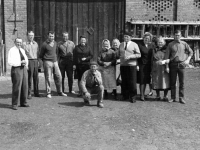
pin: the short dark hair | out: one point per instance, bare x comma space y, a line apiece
51, 32
30, 31
93, 63
82, 36
127, 33
17, 38
65, 32
177, 31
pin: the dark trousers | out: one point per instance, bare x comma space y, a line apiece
33, 76
66, 66
99, 90
19, 78
175, 70
129, 79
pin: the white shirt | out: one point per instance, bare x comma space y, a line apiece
14, 58
128, 43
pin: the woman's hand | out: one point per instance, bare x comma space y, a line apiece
138, 68
167, 69
106, 64
83, 59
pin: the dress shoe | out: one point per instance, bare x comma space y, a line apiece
48, 95
100, 104
142, 99
87, 102
62, 94
105, 95
165, 99
150, 94
158, 98
29, 97
115, 97
181, 100
72, 92
171, 100
79, 94
14, 107
37, 95
132, 100
25, 105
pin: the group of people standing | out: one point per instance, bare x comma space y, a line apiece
58, 59
151, 62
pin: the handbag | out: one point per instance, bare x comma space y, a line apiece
119, 81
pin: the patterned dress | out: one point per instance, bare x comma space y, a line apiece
160, 78
108, 73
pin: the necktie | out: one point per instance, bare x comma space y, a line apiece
21, 55
126, 46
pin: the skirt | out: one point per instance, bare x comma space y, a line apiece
144, 74
109, 77
80, 69
160, 78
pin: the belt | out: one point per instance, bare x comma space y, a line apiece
178, 64
17, 66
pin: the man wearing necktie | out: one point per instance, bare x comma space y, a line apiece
129, 53
18, 61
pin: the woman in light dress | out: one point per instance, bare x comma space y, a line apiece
160, 69
107, 62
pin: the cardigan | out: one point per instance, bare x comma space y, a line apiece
132, 51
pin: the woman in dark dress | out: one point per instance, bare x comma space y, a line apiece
82, 55
145, 63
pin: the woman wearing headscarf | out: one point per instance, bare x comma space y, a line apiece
107, 61
145, 63
160, 69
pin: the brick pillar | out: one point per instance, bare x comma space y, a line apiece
21, 24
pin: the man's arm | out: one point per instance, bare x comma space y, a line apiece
99, 78
101, 63
167, 54
42, 51
190, 54
83, 82
137, 53
90, 54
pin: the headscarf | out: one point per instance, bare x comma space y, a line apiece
105, 40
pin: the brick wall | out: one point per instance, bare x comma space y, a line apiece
188, 10
164, 10
9, 26
149, 10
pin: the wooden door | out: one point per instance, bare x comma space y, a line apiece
96, 19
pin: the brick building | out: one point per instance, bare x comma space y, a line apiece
163, 10
98, 26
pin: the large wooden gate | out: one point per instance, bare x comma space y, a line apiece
96, 19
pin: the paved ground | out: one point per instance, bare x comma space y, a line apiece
66, 124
